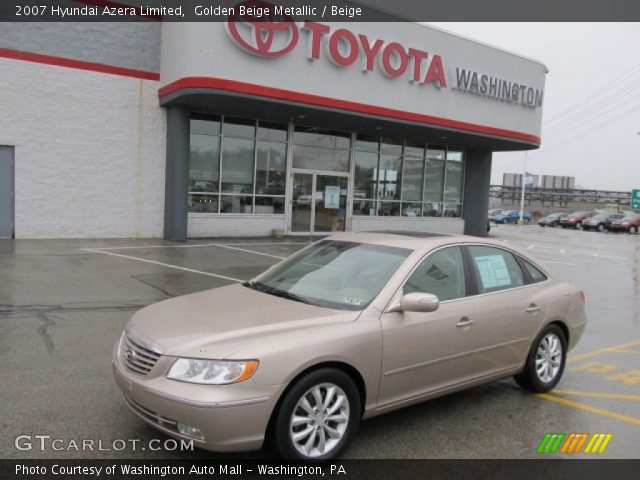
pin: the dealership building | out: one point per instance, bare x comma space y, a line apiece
185, 130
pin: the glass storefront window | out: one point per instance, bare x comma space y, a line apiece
274, 132
422, 178
236, 204
227, 158
204, 167
432, 209
414, 148
202, 203
367, 142
269, 205
239, 127
453, 182
320, 158
388, 209
321, 138
412, 179
434, 180
271, 168
205, 126
365, 175
389, 177
237, 165
411, 209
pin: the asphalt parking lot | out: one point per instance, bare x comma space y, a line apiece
63, 304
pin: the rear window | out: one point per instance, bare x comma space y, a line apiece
535, 274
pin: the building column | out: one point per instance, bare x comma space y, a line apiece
476, 191
176, 183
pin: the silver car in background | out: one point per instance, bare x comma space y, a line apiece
350, 327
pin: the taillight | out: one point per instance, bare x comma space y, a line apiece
583, 297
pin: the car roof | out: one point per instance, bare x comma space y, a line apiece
410, 240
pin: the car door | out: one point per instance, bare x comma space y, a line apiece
424, 352
510, 307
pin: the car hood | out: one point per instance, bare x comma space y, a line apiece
217, 323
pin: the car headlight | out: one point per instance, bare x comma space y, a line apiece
212, 372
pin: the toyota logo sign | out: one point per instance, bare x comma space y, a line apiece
265, 35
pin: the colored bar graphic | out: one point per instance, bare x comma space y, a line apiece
551, 442
573, 443
598, 443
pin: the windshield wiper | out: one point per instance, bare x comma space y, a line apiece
261, 287
287, 295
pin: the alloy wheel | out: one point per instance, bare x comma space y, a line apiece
548, 358
319, 420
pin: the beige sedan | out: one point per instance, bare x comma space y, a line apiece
350, 327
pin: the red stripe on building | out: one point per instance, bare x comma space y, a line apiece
77, 64
309, 99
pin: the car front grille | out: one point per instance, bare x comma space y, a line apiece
136, 356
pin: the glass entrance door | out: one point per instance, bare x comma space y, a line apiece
319, 203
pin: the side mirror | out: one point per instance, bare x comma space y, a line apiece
417, 302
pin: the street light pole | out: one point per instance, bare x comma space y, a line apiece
524, 177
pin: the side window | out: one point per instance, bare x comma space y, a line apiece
534, 272
495, 269
441, 273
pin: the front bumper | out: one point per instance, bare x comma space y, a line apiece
231, 417
620, 228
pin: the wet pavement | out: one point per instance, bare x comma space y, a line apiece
63, 303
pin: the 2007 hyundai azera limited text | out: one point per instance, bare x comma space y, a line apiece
350, 327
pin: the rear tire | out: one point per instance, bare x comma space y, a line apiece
632, 230
313, 427
578, 226
601, 227
546, 360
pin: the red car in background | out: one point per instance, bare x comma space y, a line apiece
630, 224
575, 219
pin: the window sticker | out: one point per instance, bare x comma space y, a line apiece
493, 271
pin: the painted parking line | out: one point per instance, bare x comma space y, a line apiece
581, 393
600, 351
629, 377
194, 245
588, 408
250, 251
162, 264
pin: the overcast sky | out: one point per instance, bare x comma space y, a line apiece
582, 58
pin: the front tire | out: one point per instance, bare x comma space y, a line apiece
318, 416
546, 360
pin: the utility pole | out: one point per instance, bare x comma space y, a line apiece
524, 181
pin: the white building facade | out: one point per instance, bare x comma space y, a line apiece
177, 130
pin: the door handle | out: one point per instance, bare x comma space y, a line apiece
533, 308
464, 323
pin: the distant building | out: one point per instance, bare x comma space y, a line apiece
539, 181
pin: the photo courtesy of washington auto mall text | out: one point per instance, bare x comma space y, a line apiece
359, 239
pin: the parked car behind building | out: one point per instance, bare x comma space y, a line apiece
630, 224
511, 216
600, 221
575, 219
551, 220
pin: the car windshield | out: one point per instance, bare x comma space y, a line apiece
333, 274
598, 217
630, 218
555, 215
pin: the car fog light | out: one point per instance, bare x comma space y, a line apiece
190, 431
